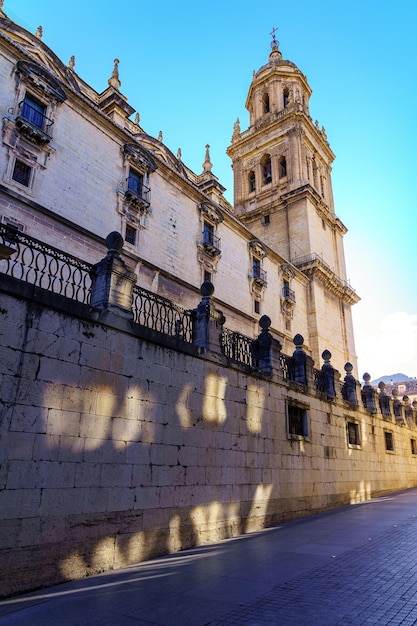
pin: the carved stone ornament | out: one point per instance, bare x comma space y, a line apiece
139, 155
257, 249
40, 78
287, 308
211, 212
287, 271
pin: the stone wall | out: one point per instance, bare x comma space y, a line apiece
118, 444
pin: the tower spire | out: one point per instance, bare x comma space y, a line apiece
274, 42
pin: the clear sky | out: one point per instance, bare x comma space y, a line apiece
186, 68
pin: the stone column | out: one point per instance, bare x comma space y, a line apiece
112, 281
207, 321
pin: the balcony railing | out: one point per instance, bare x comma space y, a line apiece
237, 347
210, 243
33, 123
288, 294
44, 266
160, 314
137, 192
259, 276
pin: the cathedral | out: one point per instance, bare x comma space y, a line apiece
76, 165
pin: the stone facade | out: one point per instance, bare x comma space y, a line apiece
75, 165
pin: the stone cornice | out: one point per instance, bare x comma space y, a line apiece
316, 268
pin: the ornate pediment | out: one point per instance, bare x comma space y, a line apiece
211, 212
258, 249
139, 155
40, 78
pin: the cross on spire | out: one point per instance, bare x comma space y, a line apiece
274, 42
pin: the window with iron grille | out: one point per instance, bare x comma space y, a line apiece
21, 173
130, 234
389, 440
297, 421
353, 434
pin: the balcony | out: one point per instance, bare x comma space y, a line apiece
137, 194
210, 243
259, 276
288, 294
33, 124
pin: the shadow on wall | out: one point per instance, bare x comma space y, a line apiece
120, 450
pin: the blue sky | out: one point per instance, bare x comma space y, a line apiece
186, 68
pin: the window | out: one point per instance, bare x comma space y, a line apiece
389, 441
286, 95
33, 111
287, 293
413, 446
251, 181
352, 432
256, 268
266, 169
297, 425
21, 173
135, 183
265, 102
282, 166
208, 233
207, 276
130, 234
257, 306
267, 219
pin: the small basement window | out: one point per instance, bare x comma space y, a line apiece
297, 421
389, 441
353, 435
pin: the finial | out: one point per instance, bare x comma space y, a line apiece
207, 165
114, 78
137, 118
179, 154
71, 62
39, 32
160, 136
274, 42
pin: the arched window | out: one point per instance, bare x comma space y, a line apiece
282, 166
286, 94
265, 101
266, 169
251, 181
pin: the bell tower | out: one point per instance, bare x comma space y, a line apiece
283, 192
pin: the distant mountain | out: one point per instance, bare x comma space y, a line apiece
393, 378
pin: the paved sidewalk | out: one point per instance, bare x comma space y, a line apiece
352, 566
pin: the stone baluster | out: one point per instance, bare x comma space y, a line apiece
266, 349
207, 321
368, 394
384, 400
112, 281
349, 386
397, 407
328, 374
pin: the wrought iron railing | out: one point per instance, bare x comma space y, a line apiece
237, 347
160, 314
44, 266
33, 122
319, 380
